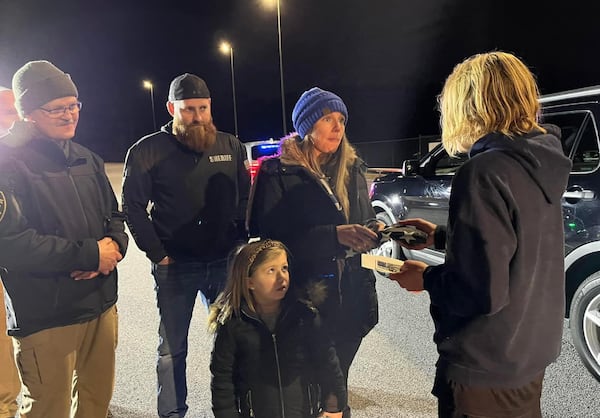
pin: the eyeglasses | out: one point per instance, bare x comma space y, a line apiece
59, 111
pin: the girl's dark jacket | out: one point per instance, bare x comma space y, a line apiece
259, 373
289, 204
498, 300
55, 204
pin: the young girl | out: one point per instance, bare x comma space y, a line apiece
271, 358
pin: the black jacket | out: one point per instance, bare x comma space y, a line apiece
290, 205
198, 199
53, 210
256, 373
498, 300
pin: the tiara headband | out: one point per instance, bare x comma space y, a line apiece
263, 246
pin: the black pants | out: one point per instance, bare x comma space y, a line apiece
346, 351
461, 401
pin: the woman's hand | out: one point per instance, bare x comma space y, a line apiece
357, 237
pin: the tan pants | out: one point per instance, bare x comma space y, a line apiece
10, 385
69, 371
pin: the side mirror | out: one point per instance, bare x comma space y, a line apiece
410, 167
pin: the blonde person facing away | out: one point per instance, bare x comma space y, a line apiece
498, 300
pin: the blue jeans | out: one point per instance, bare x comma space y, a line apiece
177, 286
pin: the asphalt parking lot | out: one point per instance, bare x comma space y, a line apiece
391, 377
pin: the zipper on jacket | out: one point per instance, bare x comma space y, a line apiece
274, 338
249, 401
314, 398
310, 401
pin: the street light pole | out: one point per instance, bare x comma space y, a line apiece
227, 48
148, 85
283, 114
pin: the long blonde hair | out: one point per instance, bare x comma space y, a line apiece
245, 263
491, 92
302, 153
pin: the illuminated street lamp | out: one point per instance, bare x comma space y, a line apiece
148, 85
227, 49
283, 114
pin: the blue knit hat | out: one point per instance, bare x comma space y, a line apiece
312, 106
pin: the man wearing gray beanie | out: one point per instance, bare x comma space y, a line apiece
61, 237
39, 82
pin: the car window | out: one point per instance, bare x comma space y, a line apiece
257, 151
263, 150
585, 156
449, 165
569, 124
579, 139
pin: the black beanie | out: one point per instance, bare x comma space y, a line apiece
38, 82
188, 86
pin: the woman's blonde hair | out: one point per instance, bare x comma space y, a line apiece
245, 263
340, 162
492, 92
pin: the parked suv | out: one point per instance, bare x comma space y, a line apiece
424, 189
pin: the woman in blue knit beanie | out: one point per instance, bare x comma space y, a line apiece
313, 197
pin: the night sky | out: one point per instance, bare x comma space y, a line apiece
386, 58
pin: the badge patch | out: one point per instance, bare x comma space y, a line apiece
2, 205
220, 158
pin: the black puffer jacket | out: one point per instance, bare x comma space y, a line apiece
53, 210
290, 205
263, 374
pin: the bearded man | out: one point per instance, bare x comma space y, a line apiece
197, 183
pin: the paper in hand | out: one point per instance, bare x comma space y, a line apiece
380, 263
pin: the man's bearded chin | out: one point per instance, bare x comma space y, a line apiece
197, 137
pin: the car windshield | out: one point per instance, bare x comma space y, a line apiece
264, 150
